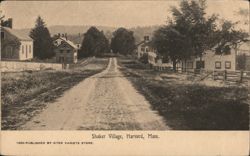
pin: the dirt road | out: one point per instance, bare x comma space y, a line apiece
105, 101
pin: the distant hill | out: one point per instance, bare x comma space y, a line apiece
73, 31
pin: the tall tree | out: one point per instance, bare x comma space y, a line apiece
170, 43
43, 43
94, 43
227, 37
123, 41
191, 21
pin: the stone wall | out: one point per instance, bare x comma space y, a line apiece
13, 66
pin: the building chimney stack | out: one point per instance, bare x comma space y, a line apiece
7, 23
10, 22
146, 38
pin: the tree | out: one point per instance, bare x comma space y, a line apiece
94, 43
144, 58
123, 41
244, 15
170, 43
227, 37
43, 43
191, 21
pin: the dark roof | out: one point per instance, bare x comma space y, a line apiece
144, 43
68, 42
18, 34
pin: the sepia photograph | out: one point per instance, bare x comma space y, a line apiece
125, 65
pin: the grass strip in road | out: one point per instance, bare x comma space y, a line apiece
190, 107
24, 94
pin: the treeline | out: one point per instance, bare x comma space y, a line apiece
94, 43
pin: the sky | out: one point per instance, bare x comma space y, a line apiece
107, 13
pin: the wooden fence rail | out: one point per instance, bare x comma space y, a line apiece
233, 76
229, 76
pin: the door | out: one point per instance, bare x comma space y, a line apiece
61, 59
200, 64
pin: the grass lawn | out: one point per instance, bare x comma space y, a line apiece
24, 94
190, 106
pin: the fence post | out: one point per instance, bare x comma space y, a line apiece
225, 75
241, 76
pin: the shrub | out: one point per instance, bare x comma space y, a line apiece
144, 58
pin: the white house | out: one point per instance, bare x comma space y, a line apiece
212, 61
15, 45
145, 47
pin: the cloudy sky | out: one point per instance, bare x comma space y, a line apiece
107, 13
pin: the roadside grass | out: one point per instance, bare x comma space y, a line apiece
190, 107
24, 94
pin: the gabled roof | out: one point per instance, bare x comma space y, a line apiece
18, 34
68, 42
144, 43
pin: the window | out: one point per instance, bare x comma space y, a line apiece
68, 51
189, 65
228, 65
146, 38
217, 65
9, 52
23, 49
143, 49
147, 49
200, 64
26, 48
29, 48
2, 35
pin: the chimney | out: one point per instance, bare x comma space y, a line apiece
7, 23
146, 38
59, 35
62, 35
66, 37
10, 23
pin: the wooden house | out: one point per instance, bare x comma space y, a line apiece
15, 45
66, 51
